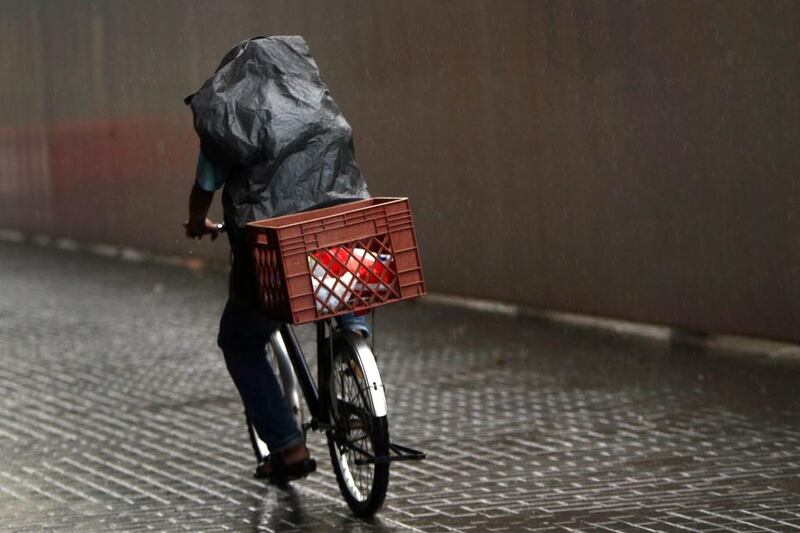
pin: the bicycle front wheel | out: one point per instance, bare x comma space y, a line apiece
359, 440
278, 359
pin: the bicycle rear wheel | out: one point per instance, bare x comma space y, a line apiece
359, 440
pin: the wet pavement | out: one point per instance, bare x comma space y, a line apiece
116, 413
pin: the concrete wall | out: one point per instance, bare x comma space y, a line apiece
625, 158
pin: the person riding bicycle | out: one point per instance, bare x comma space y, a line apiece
276, 143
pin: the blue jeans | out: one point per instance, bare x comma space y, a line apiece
243, 335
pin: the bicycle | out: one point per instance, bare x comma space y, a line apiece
319, 250
349, 406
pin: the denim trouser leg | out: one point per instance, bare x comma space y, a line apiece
243, 335
355, 323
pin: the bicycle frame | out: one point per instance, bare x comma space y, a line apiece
289, 353
317, 405
294, 374
318, 399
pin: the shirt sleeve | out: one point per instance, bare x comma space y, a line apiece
209, 177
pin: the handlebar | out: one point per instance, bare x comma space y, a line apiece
219, 227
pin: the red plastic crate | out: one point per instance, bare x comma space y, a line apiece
336, 260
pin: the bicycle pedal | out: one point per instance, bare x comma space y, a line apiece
293, 472
283, 474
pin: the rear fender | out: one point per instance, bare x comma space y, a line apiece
370, 367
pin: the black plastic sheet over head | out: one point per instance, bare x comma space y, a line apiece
267, 114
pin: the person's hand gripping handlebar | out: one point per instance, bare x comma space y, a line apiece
207, 227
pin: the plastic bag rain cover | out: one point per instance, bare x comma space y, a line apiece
267, 115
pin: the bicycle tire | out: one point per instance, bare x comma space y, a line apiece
355, 424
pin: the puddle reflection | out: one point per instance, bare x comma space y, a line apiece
290, 509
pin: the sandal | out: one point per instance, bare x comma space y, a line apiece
279, 472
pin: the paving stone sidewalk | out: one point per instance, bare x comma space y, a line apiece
116, 413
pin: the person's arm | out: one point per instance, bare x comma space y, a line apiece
199, 224
208, 178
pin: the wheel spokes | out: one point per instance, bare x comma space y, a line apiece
354, 442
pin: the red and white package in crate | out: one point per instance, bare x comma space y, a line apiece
344, 271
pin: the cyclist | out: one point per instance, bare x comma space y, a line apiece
250, 192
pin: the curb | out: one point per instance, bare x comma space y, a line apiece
734, 345
751, 347
126, 253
